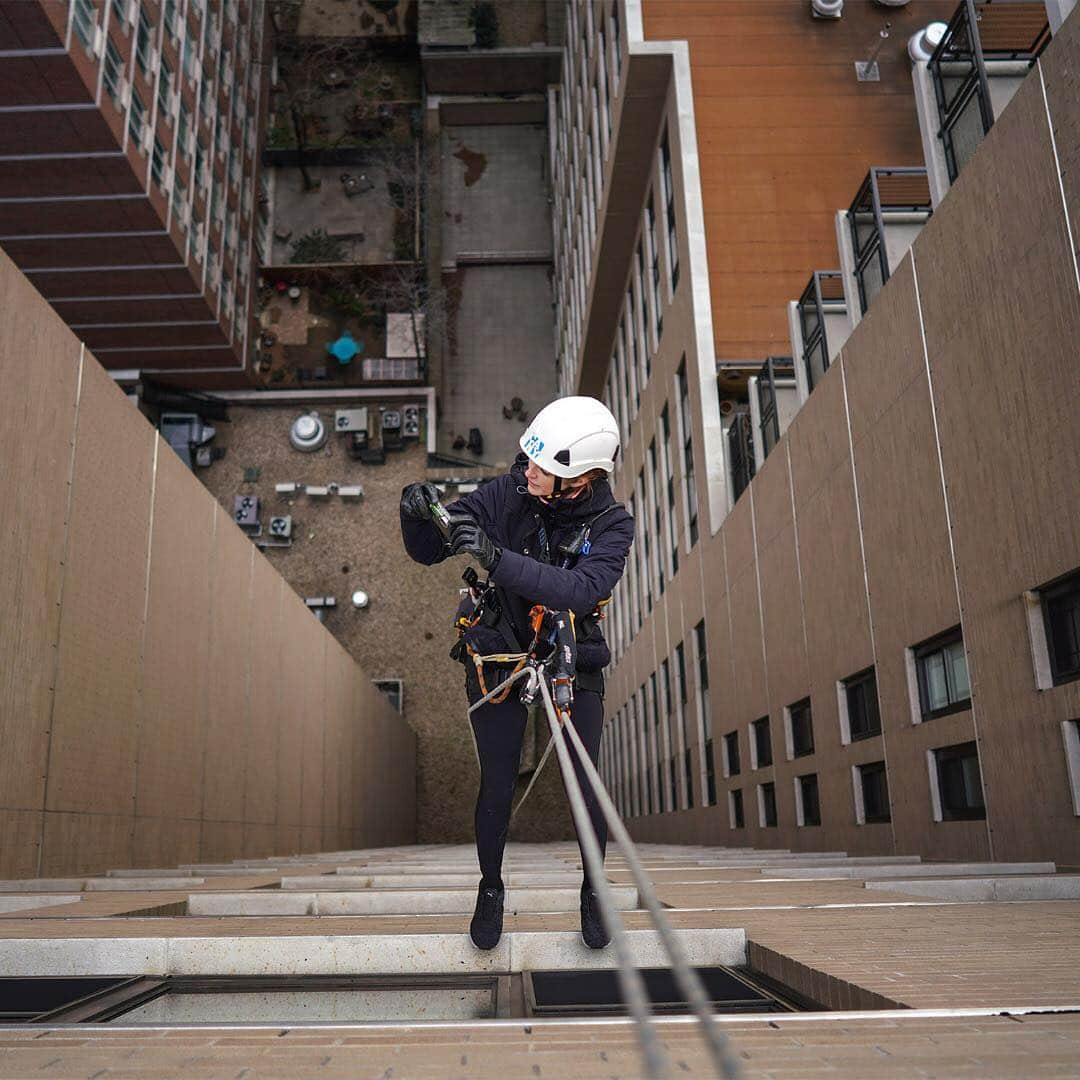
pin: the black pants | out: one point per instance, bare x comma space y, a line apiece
499, 730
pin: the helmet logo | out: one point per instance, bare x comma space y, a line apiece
533, 445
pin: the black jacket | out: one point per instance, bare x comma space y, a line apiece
512, 518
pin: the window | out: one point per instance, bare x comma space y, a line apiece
605, 95
800, 729
767, 805
83, 20
735, 809
157, 162
394, 689
659, 751
859, 706
112, 74
136, 119
807, 803
657, 501
684, 718
669, 210
642, 327
654, 277
941, 667
204, 93
142, 42
644, 548
959, 783
703, 710
671, 749
163, 87
179, 198
669, 480
1061, 613
616, 43
1070, 731
686, 432
871, 794
731, 753
633, 359
760, 743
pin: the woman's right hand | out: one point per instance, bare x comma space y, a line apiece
416, 500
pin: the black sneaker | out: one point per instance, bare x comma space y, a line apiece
593, 931
486, 926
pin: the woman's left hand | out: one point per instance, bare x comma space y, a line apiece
467, 538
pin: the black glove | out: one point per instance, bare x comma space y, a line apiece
467, 538
416, 500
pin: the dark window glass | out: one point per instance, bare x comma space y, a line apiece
811, 805
737, 809
689, 484
731, 745
863, 716
802, 729
684, 712
762, 742
710, 772
1061, 608
959, 782
875, 792
943, 675
768, 805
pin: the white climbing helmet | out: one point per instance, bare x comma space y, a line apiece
571, 436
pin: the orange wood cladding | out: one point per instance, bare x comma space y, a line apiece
785, 137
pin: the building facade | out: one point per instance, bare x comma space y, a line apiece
871, 644
129, 161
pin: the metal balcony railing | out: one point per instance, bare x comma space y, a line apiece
978, 32
825, 290
774, 368
740, 454
884, 191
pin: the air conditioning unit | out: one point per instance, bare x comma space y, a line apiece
153, 60
167, 178
351, 419
98, 46
246, 511
281, 527
410, 422
146, 138
125, 94
174, 102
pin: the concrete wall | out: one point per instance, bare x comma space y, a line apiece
929, 480
165, 697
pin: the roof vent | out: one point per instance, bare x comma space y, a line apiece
308, 433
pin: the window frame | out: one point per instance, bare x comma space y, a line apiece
800, 785
921, 655
756, 726
944, 755
789, 715
1061, 586
861, 773
732, 762
860, 678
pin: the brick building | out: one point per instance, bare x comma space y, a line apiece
129, 157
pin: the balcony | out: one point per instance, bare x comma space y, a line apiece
774, 401
980, 62
819, 325
875, 232
740, 452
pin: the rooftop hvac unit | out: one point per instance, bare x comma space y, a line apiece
308, 433
410, 425
246, 510
351, 420
281, 527
390, 422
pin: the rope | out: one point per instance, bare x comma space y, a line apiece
630, 979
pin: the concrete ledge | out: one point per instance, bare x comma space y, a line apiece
923, 870
28, 903
423, 881
1041, 887
391, 902
32, 885
353, 954
140, 884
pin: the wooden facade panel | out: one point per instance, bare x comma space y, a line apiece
1061, 73
92, 763
83, 843
261, 765
172, 716
1009, 450
165, 841
233, 737
20, 842
39, 368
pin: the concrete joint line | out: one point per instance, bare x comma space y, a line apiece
949, 526
68, 106
798, 557
761, 606
1061, 183
38, 199
842, 363
60, 604
21, 237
